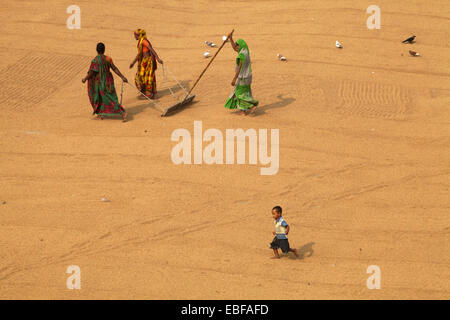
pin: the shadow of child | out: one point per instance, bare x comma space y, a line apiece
305, 251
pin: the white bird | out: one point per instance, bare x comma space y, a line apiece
281, 57
210, 44
207, 54
338, 45
224, 38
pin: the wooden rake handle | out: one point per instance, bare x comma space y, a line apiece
212, 59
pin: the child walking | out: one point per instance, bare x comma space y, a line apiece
281, 231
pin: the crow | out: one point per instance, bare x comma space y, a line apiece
409, 40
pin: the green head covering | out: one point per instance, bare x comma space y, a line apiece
242, 45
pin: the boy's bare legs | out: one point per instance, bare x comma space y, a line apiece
275, 252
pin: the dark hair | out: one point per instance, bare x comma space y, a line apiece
100, 48
278, 209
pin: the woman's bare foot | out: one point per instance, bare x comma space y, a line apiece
98, 117
150, 95
124, 117
242, 113
252, 110
295, 252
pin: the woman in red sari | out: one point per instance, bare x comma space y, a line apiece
146, 58
101, 90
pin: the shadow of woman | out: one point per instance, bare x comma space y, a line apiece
134, 110
283, 102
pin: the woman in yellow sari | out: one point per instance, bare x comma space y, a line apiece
146, 58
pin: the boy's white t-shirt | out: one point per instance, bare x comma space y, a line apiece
280, 228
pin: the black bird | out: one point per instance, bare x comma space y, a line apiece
409, 40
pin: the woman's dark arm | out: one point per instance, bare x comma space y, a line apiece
233, 44
117, 71
156, 55
135, 60
89, 75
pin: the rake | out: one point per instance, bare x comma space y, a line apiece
185, 101
188, 98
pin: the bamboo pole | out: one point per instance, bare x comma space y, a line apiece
204, 70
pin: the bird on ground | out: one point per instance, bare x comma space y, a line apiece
281, 57
414, 53
409, 40
338, 45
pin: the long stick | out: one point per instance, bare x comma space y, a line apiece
204, 70
121, 94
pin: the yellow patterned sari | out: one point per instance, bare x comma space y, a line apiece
145, 78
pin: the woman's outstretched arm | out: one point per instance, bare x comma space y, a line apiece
155, 54
135, 60
117, 71
233, 44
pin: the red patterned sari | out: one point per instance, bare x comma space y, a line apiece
101, 90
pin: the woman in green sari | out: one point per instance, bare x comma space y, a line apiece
242, 97
101, 90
